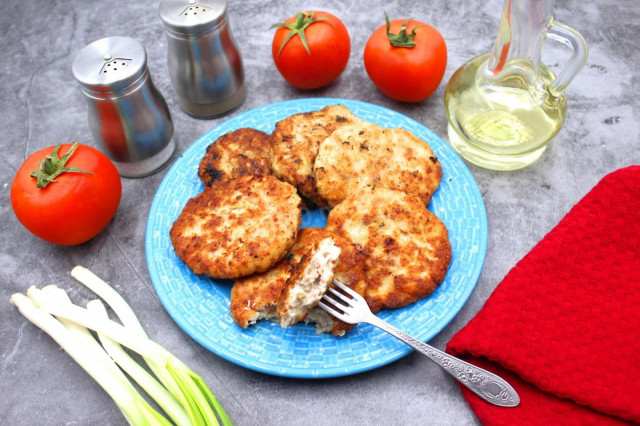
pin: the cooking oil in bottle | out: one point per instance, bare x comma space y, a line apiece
505, 124
504, 107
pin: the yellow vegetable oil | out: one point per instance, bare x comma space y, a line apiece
504, 107
502, 125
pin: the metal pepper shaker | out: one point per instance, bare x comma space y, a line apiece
128, 116
204, 62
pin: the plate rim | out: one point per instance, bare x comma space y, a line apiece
314, 373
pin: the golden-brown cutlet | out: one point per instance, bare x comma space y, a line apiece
407, 246
294, 146
364, 154
244, 151
255, 297
237, 227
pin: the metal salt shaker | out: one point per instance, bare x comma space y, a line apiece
128, 116
204, 62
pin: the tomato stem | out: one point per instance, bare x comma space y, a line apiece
52, 166
402, 39
297, 28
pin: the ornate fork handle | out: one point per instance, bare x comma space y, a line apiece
486, 385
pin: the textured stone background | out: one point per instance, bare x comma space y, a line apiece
41, 105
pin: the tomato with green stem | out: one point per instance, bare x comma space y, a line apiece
66, 200
406, 59
311, 49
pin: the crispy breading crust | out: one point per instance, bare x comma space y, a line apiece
364, 153
241, 152
407, 247
256, 297
238, 227
294, 146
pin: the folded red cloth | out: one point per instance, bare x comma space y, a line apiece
563, 327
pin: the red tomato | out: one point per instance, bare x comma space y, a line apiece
407, 74
76, 206
329, 49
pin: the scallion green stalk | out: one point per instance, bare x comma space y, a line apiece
126, 316
188, 388
151, 386
135, 409
129, 319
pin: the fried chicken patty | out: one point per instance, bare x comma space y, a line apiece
256, 297
407, 246
294, 145
238, 227
364, 154
241, 152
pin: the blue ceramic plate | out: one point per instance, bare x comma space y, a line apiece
200, 305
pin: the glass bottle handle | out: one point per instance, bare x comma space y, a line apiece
571, 38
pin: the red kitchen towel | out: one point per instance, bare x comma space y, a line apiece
563, 327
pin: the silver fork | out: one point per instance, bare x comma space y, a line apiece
350, 307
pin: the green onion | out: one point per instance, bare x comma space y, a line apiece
134, 408
201, 394
180, 392
146, 381
129, 319
110, 296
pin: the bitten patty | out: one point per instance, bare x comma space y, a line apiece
308, 282
407, 246
241, 152
256, 297
238, 227
364, 154
349, 271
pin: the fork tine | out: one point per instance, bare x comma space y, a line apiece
347, 300
349, 292
346, 289
331, 310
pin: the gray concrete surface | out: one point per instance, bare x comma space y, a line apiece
41, 105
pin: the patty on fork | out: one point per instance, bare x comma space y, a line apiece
256, 297
407, 247
308, 282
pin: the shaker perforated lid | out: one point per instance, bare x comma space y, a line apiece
192, 16
110, 64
